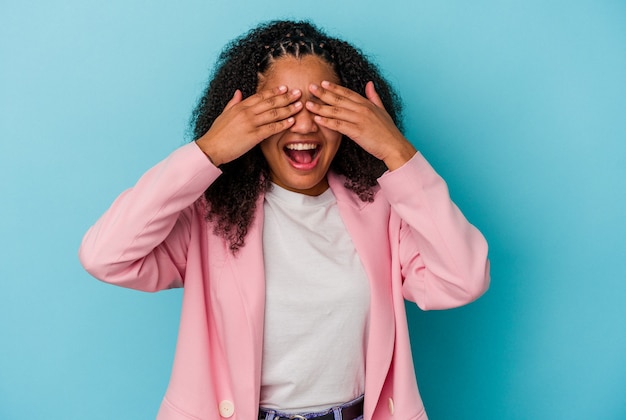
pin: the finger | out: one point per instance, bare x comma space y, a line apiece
344, 127
331, 111
268, 100
278, 113
268, 93
340, 90
337, 94
237, 96
372, 95
264, 94
274, 127
331, 94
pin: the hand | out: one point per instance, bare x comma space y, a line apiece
245, 123
364, 120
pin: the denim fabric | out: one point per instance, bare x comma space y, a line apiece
275, 414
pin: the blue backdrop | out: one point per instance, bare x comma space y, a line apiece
520, 105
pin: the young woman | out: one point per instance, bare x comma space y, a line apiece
297, 221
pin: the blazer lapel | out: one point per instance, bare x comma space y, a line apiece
249, 275
367, 224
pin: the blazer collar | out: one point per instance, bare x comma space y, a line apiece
344, 195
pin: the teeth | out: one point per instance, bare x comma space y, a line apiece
301, 146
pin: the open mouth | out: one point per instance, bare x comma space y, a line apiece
302, 153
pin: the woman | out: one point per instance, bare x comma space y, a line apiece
298, 221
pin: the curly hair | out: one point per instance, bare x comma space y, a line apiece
232, 198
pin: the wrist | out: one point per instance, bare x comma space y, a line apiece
208, 152
399, 156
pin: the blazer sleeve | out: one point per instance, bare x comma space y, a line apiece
443, 258
141, 241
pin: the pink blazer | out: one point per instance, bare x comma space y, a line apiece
412, 240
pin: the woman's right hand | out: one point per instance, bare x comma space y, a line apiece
245, 123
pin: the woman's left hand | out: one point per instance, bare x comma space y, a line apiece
363, 119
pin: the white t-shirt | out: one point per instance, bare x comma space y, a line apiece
317, 305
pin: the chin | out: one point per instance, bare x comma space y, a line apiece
309, 187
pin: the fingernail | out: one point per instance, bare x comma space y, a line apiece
298, 104
290, 120
325, 84
295, 92
282, 88
314, 86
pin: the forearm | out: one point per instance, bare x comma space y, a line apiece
444, 257
127, 235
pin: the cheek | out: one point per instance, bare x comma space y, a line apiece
333, 145
268, 147
331, 136
334, 138
266, 151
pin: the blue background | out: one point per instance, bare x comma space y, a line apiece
520, 105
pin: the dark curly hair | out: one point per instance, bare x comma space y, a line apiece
232, 197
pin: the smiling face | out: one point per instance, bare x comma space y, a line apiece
300, 156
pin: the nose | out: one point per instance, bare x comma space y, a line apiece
304, 123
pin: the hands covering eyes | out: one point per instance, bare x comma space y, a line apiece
268, 112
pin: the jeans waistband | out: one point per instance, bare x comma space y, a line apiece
352, 410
